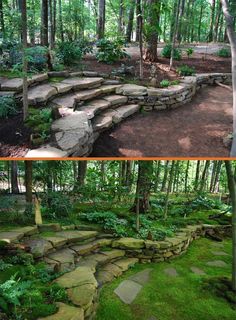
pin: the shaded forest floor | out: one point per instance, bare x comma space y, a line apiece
204, 60
196, 129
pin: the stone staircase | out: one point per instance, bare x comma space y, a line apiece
86, 104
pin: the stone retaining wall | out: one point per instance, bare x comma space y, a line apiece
174, 96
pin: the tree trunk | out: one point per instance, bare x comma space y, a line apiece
204, 176
82, 169
140, 23
14, 177
232, 38
138, 13
44, 23
186, 178
232, 189
61, 21
170, 181
174, 34
130, 22
28, 181
197, 175
101, 19
2, 24
152, 34
200, 23
217, 22
143, 188
23, 9
210, 36
121, 17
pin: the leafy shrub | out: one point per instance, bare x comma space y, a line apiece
98, 217
85, 46
37, 58
185, 71
4, 266
224, 53
69, 52
165, 83
39, 120
166, 52
7, 106
189, 52
110, 51
56, 205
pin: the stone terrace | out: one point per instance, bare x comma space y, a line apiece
89, 259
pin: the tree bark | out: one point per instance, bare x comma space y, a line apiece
130, 21
82, 169
28, 181
171, 176
143, 187
210, 37
101, 19
232, 189
61, 21
174, 34
14, 177
44, 23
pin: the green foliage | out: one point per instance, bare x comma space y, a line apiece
21, 258
166, 52
7, 106
165, 83
189, 52
56, 205
4, 266
37, 58
185, 70
224, 53
39, 120
111, 51
69, 52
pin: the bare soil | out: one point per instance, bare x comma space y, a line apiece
196, 129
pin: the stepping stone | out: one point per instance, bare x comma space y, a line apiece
66, 312
127, 291
125, 263
82, 296
41, 94
90, 73
76, 278
28, 231
15, 84
198, 271
217, 263
171, 272
87, 94
113, 254
94, 107
67, 101
11, 236
217, 244
75, 236
47, 227
46, 152
84, 249
141, 277
62, 87
124, 112
39, 247
38, 78
219, 253
102, 122
83, 83
115, 99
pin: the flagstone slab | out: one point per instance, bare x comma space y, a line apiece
109, 88
128, 243
40, 94
104, 276
39, 247
142, 277
82, 296
65, 257
124, 112
28, 231
75, 236
85, 249
132, 90
46, 151
56, 241
87, 94
217, 263
83, 83
80, 276
15, 84
112, 268
113, 254
45, 227
66, 101
116, 99
127, 291
171, 272
219, 253
11, 236
102, 122
125, 263
62, 87
198, 271
66, 312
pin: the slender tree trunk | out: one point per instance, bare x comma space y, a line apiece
174, 34
14, 177
23, 8
2, 23
44, 23
197, 175
138, 13
82, 169
101, 19
232, 189
163, 187
28, 181
186, 178
170, 181
200, 23
121, 17
140, 23
204, 176
217, 22
210, 37
130, 21
61, 21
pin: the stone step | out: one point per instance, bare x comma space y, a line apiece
83, 83
16, 84
66, 312
114, 269
41, 94
106, 119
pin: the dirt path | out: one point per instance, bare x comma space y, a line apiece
193, 130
